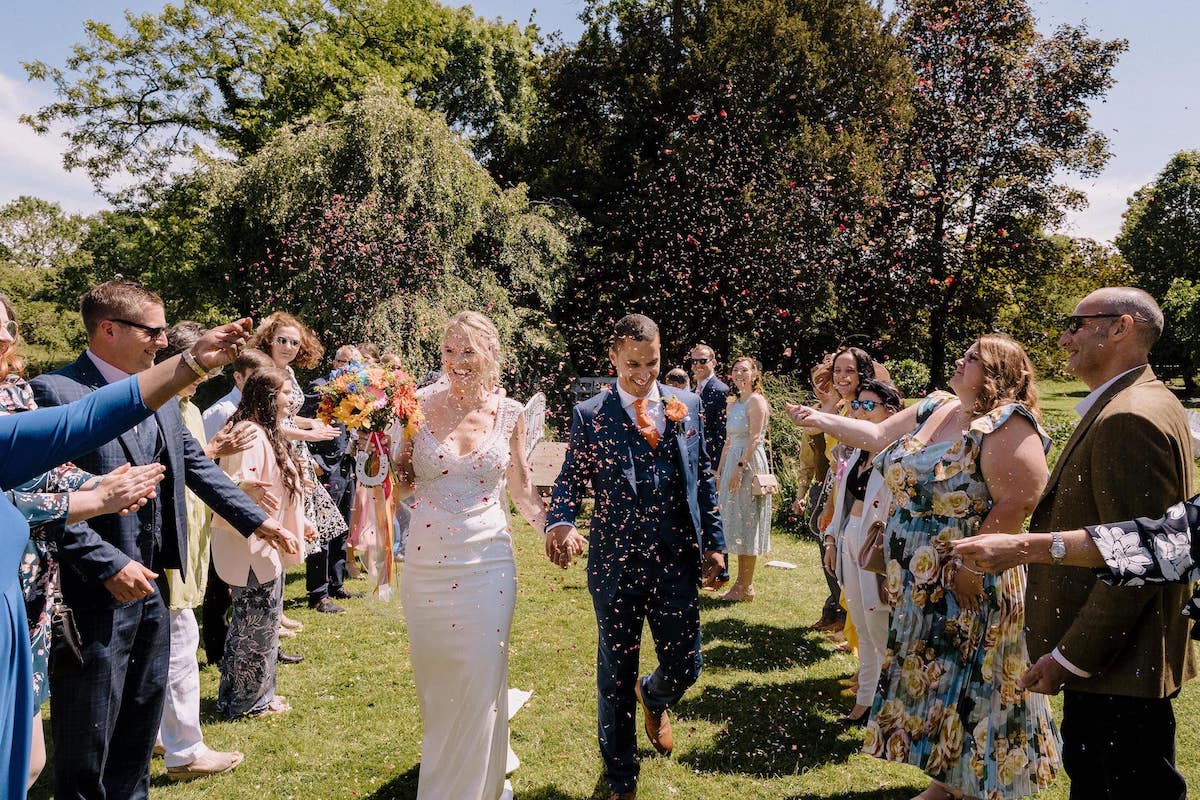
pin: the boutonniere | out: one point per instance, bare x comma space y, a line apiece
676, 411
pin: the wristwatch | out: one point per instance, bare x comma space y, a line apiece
1058, 548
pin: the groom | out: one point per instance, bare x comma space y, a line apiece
655, 535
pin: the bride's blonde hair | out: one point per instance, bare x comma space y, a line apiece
484, 338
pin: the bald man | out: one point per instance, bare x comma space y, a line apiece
1119, 653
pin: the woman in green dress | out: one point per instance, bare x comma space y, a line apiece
959, 464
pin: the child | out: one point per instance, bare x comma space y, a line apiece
254, 570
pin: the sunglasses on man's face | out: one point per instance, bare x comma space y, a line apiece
697, 360
865, 405
1073, 323
153, 331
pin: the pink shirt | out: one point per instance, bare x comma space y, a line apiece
235, 555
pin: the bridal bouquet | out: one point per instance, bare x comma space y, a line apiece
368, 398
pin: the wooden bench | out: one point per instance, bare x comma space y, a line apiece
546, 462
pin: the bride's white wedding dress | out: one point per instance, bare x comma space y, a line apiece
458, 589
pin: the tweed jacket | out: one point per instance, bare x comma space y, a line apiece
1130, 456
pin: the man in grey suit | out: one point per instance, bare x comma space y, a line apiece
105, 716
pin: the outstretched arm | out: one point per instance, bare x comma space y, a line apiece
868, 436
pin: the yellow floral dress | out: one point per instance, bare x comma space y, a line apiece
948, 700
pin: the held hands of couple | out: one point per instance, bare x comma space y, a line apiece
564, 544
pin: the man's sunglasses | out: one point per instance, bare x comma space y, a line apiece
153, 331
698, 360
1073, 323
865, 405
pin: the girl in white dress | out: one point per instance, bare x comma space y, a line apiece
459, 583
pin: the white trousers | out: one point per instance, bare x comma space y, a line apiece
180, 729
870, 615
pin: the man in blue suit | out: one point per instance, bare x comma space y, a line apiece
655, 536
105, 716
713, 396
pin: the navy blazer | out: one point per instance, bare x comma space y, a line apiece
600, 455
330, 456
714, 399
101, 547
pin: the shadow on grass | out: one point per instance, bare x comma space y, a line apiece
401, 787
901, 793
771, 729
404, 787
761, 648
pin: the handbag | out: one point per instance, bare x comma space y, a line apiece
870, 555
765, 483
66, 648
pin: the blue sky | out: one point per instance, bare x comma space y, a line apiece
1151, 113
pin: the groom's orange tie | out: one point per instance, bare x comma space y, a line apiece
646, 425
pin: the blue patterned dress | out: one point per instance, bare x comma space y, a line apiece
948, 700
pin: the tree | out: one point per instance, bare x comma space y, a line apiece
1160, 238
216, 75
36, 234
721, 154
381, 224
999, 114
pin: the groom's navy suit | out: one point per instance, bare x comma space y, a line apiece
105, 717
655, 515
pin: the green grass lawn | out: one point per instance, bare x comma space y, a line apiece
759, 724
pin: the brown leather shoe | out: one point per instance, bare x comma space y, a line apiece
658, 724
623, 795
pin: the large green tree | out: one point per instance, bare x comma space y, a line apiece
1160, 238
230, 73
720, 152
381, 224
999, 115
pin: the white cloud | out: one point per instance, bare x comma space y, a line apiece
1101, 220
31, 164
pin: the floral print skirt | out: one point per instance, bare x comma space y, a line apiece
251, 649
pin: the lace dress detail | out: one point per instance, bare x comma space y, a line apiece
319, 509
458, 589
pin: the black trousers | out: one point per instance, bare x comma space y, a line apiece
325, 570
216, 611
1119, 748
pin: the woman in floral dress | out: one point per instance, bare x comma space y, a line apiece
964, 463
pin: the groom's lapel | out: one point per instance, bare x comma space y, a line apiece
619, 430
677, 431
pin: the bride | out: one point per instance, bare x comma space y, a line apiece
459, 583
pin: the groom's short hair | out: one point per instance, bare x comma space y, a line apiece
638, 327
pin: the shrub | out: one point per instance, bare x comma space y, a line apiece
911, 377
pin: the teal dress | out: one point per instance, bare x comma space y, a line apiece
948, 700
30, 444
